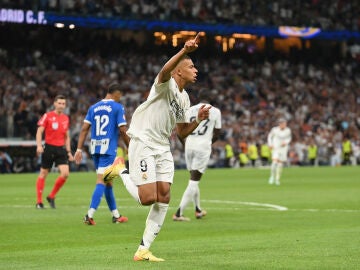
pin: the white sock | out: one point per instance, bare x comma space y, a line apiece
278, 172
91, 212
130, 186
188, 196
115, 213
273, 170
154, 223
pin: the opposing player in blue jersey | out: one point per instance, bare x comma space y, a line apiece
106, 119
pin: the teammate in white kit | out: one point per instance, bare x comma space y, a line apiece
278, 139
151, 163
197, 155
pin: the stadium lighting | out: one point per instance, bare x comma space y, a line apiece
245, 36
304, 32
59, 25
72, 26
225, 44
174, 40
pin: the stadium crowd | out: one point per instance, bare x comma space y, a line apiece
328, 15
320, 97
321, 103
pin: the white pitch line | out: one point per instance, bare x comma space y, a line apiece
328, 210
281, 208
273, 206
261, 206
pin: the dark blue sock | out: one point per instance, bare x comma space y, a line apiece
97, 195
110, 198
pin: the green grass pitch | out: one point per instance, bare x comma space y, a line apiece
311, 221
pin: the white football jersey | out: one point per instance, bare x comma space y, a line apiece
154, 120
279, 136
201, 137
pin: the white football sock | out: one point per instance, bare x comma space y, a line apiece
91, 212
188, 196
115, 213
274, 165
130, 186
278, 172
154, 223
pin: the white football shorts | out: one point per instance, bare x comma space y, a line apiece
197, 159
280, 154
149, 165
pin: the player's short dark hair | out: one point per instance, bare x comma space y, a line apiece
185, 56
281, 120
114, 87
59, 97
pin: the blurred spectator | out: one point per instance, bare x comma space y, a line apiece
335, 154
265, 153
328, 15
312, 152
253, 153
294, 159
6, 162
301, 151
346, 151
20, 123
320, 98
229, 155
3, 126
243, 159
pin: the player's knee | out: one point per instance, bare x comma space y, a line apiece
147, 198
64, 175
163, 197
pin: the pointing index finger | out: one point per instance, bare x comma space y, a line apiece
197, 37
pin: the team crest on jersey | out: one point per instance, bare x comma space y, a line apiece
177, 111
55, 125
144, 176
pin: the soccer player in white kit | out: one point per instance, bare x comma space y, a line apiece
197, 155
151, 164
278, 139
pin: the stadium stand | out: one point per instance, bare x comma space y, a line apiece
320, 96
331, 14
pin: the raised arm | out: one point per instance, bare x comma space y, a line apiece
165, 72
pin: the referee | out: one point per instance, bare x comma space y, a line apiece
56, 150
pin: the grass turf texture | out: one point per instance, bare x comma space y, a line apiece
319, 230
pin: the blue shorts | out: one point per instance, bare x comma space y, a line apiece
101, 162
